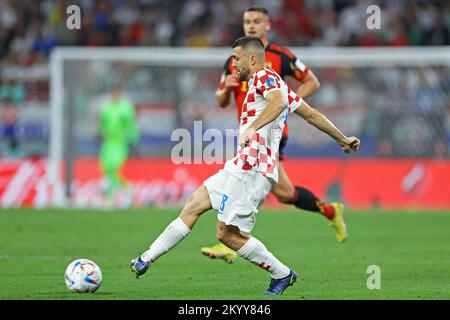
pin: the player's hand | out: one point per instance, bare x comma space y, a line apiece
350, 144
246, 136
231, 81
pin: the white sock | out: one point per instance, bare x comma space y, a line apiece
170, 237
255, 251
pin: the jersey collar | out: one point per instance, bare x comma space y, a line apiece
250, 82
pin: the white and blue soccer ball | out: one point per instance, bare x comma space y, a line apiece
83, 275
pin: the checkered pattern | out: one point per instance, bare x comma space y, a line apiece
257, 155
261, 153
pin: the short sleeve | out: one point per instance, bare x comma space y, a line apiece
293, 66
294, 100
266, 83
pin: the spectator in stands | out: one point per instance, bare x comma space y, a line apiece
216, 23
438, 34
22, 44
9, 115
13, 90
13, 150
44, 41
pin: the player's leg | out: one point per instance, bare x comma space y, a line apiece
219, 250
304, 199
236, 217
112, 158
253, 250
198, 203
301, 197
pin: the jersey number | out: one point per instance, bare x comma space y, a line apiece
222, 204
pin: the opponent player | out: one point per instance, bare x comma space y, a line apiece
117, 126
238, 190
284, 62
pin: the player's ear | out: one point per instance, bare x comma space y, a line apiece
268, 26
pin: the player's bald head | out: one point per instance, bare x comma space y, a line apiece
251, 45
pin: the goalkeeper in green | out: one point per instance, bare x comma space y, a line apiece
117, 127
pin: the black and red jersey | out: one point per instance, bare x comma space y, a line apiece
281, 60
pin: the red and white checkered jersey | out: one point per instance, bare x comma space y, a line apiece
261, 153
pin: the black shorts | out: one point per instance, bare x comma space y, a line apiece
283, 143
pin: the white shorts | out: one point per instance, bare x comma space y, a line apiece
237, 199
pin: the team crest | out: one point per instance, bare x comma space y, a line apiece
270, 82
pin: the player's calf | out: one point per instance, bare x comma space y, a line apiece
230, 236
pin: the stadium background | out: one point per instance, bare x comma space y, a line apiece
401, 114
391, 187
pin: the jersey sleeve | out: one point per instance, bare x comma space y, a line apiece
266, 83
293, 66
226, 71
294, 100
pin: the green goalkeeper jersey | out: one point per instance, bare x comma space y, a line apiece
118, 123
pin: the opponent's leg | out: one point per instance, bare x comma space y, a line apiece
220, 251
255, 251
304, 199
198, 203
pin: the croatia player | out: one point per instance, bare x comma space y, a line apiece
238, 190
285, 63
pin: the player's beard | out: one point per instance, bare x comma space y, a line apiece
243, 74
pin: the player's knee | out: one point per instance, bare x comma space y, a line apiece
194, 206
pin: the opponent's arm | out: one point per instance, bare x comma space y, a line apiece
294, 67
317, 119
223, 97
223, 94
310, 85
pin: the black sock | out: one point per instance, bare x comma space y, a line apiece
306, 200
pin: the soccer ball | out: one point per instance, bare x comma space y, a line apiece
83, 275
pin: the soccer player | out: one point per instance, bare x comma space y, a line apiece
239, 189
285, 63
117, 126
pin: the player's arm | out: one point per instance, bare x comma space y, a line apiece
294, 67
223, 93
310, 85
321, 122
228, 82
274, 107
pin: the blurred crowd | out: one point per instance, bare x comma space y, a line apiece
36, 26
29, 29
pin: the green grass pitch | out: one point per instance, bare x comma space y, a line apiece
412, 250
